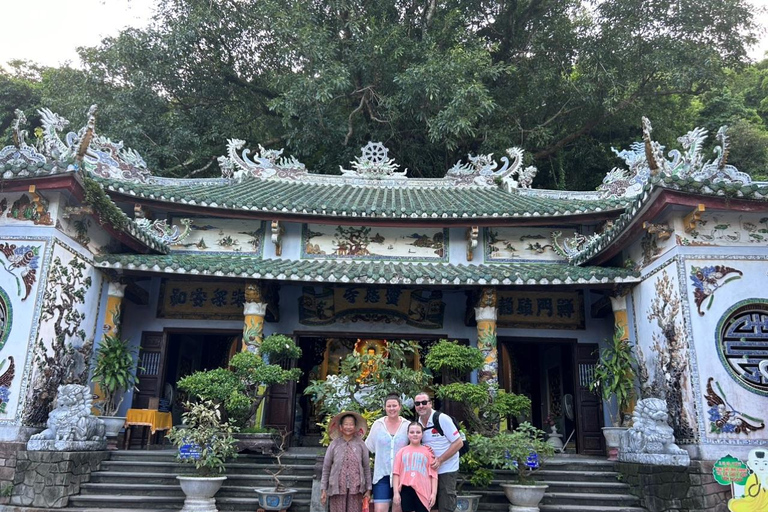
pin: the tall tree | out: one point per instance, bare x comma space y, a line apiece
432, 79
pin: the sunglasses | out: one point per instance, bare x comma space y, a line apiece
423, 402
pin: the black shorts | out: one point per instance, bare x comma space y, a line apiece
410, 500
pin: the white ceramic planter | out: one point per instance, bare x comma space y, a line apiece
200, 492
113, 424
524, 498
612, 437
270, 499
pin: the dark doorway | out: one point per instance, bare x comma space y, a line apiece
544, 371
189, 352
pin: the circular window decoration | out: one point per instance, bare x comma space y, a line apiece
742, 343
5, 317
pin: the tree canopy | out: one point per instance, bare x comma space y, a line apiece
431, 79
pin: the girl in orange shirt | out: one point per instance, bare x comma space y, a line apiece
414, 481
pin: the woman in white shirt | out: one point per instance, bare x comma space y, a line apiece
388, 434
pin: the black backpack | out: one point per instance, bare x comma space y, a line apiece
436, 425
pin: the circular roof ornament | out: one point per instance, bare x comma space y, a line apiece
375, 153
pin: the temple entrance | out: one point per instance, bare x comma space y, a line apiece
168, 356
322, 355
546, 372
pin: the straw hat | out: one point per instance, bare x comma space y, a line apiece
334, 427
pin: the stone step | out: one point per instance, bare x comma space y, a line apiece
144, 503
172, 467
153, 490
106, 477
592, 499
170, 455
573, 476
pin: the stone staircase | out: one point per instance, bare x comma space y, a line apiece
576, 484
146, 480
142, 480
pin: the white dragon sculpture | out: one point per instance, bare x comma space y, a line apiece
483, 170
267, 163
644, 159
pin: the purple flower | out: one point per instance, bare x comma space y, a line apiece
5, 393
714, 414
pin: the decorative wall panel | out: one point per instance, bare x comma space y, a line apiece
320, 241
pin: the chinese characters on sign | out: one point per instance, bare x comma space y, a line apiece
553, 310
205, 300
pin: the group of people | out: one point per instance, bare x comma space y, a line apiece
415, 463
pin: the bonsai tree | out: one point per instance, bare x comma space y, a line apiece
242, 386
614, 377
114, 369
365, 379
483, 405
521, 451
206, 434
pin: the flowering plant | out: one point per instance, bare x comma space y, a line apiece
551, 420
522, 451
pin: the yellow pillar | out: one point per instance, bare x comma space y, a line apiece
115, 294
254, 311
621, 324
620, 319
486, 314
112, 324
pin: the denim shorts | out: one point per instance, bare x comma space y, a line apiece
382, 491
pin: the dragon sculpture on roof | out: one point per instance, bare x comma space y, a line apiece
483, 170
267, 163
95, 153
646, 159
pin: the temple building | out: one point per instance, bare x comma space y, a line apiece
671, 248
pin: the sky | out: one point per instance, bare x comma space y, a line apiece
50, 31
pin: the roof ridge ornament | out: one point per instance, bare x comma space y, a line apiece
482, 170
646, 159
93, 153
267, 163
374, 164
20, 153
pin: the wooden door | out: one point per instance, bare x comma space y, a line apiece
279, 405
151, 368
589, 411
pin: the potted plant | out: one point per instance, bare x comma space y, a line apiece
482, 406
521, 451
114, 370
277, 497
205, 441
473, 470
614, 379
241, 388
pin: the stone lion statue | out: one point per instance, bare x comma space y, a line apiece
71, 426
651, 440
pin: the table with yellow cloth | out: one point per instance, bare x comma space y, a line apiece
149, 419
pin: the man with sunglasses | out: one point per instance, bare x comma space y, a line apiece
445, 445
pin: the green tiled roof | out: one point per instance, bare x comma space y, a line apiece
757, 191
290, 197
242, 266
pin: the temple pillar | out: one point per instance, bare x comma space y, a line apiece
486, 314
621, 325
112, 317
620, 319
254, 311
